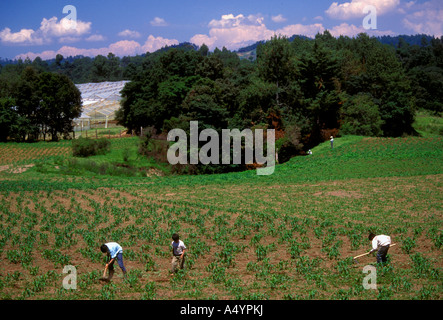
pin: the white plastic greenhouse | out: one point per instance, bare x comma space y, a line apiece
100, 102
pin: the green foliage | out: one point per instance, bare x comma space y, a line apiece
408, 245
361, 116
423, 267
56, 256
305, 88
85, 147
240, 226
149, 292
44, 103
108, 292
9, 120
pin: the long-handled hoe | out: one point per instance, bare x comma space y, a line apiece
365, 254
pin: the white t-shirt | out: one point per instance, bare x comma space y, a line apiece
114, 249
178, 247
380, 241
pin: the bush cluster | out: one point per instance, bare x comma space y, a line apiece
85, 147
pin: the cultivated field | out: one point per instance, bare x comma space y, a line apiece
290, 235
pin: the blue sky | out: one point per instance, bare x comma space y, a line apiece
40, 28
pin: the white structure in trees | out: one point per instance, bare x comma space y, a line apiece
100, 101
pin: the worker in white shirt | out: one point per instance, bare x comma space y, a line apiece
380, 244
178, 253
114, 252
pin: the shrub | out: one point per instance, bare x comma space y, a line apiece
85, 147
361, 116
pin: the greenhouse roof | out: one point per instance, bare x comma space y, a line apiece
100, 99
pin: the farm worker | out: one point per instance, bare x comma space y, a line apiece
380, 244
114, 251
178, 253
332, 142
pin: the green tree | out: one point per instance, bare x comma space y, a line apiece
60, 103
115, 71
360, 116
320, 79
202, 104
276, 63
8, 118
100, 69
381, 75
27, 99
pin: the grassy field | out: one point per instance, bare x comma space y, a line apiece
427, 124
290, 235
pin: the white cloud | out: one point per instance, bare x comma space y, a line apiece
425, 18
227, 21
278, 19
129, 34
69, 39
300, 29
54, 28
153, 44
95, 38
159, 22
24, 36
354, 9
237, 31
49, 29
200, 39
351, 30
234, 32
125, 48
120, 48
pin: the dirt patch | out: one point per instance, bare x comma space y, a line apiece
16, 169
154, 173
340, 193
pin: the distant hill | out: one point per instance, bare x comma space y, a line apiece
418, 39
250, 52
184, 46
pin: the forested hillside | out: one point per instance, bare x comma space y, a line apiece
306, 89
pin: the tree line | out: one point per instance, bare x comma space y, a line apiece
307, 89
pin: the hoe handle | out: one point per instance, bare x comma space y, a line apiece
361, 255
364, 254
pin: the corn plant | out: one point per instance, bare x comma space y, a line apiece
408, 244
56, 256
149, 292
108, 292
344, 266
423, 268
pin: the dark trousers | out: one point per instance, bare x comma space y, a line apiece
120, 263
381, 254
